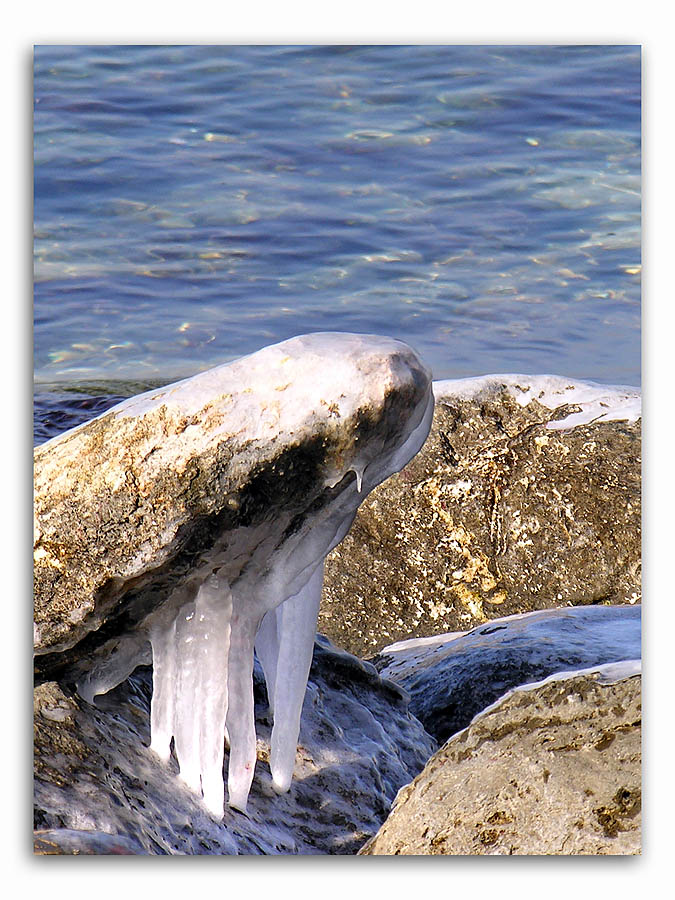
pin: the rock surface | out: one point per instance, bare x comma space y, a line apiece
525, 496
99, 789
550, 769
452, 678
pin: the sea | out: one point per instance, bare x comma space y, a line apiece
193, 204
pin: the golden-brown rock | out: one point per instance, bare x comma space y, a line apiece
510, 506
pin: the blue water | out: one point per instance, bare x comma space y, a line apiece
193, 204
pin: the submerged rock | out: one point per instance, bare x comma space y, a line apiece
185, 524
100, 789
453, 677
550, 769
526, 495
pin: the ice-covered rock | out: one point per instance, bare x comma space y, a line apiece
553, 767
526, 496
451, 678
100, 789
189, 523
575, 402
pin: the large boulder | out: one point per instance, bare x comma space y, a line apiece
551, 768
525, 496
100, 789
190, 523
138, 494
177, 516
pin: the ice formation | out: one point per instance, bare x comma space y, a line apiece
369, 402
594, 633
594, 402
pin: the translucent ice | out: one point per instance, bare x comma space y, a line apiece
289, 654
189, 700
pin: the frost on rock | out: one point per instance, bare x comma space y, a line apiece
238, 482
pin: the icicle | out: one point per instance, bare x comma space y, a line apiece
267, 650
189, 700
186, 725
115, 667
359, 478
297, 619
213, 611
240, 713
163, 641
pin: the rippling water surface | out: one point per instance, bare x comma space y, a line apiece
193, 204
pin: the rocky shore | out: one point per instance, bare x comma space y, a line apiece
95, 774
478, 688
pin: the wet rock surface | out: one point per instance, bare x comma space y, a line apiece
100, 789
510, 506
552, 769
451, 679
